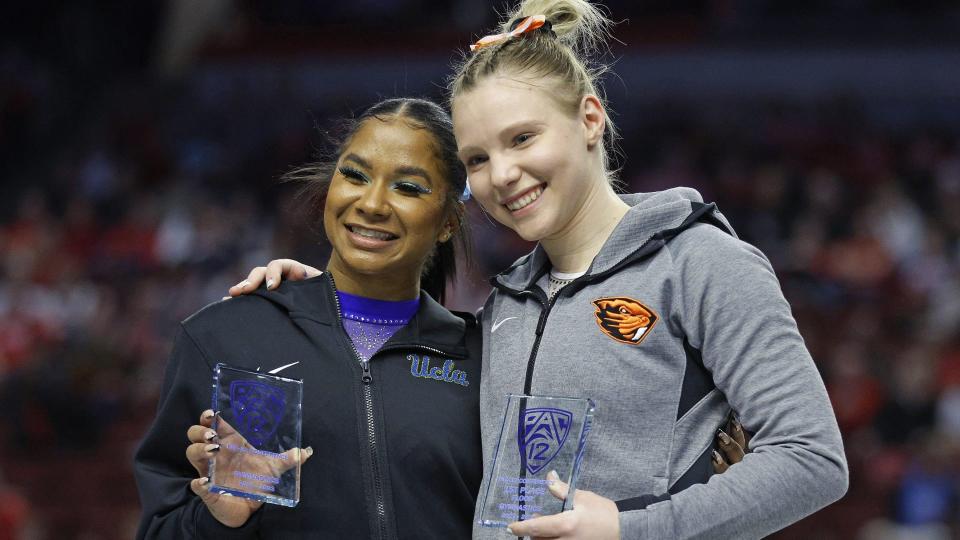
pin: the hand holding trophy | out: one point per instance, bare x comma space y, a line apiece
541, 443
248, 452
231, 511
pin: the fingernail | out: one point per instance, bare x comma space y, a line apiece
212, 448
204, 480
736, 426
210, 435
208, 415
723, 436
509, 530
716, 456
552, 475
308, 450
243, 283
270, 283
226, 298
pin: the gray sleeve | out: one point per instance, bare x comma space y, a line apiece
730, 305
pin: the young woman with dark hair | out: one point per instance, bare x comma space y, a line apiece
394, 451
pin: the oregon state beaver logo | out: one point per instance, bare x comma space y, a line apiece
624, 319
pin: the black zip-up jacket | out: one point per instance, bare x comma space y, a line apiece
413, 473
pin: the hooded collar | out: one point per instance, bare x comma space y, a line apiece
659, 216
433, 326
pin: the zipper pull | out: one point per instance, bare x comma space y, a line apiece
542, 322
367, 377
540, 326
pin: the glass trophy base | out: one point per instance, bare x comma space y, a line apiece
258, 425
539, 434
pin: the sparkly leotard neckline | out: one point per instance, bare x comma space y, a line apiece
370, 322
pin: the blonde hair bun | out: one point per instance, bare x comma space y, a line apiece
577, 23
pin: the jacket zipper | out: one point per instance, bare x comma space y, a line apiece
546, 306
367, 380
642, 251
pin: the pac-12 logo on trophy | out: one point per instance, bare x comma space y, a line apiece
538, 434
541, 436
258, 409
259, 423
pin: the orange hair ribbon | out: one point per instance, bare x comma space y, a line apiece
528, 24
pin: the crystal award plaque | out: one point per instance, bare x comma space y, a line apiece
258, 426
539, 434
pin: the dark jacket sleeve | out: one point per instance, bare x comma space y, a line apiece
163, 473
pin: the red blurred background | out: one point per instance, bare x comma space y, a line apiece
141, 145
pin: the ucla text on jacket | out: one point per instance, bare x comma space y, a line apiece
421, 368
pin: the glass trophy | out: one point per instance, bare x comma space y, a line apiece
539, 434
258, 426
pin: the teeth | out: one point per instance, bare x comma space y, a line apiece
367, 233
525, 200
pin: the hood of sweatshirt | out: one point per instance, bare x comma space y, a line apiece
652, 221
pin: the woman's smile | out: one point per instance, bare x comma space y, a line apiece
366, 237
524, 200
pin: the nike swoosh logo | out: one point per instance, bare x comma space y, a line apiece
281, 368
499, 323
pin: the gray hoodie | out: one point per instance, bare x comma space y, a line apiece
708, 330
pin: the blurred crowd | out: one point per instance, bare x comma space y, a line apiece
120, 217
861, 224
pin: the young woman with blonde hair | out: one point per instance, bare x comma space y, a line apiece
677, 321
